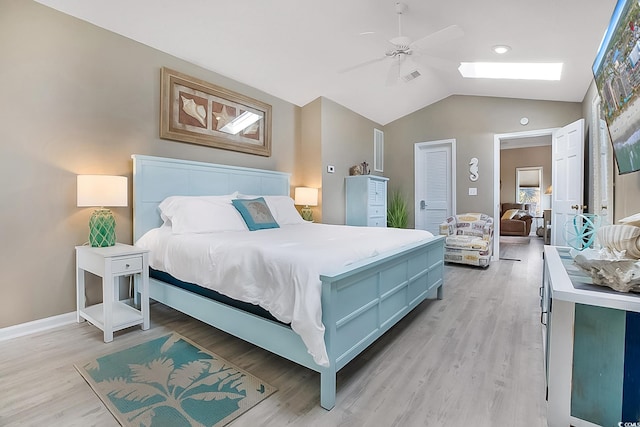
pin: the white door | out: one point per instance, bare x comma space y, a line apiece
567, 178
434, 183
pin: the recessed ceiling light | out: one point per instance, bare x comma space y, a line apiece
501, 49
511, 70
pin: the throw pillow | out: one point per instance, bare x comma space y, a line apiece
256, 213
509, 214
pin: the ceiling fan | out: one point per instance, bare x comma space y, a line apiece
403, 68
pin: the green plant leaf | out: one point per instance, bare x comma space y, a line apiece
397, 214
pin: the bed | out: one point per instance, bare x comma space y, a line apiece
359, 302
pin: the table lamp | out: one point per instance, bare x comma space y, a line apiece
100, 191
306, 196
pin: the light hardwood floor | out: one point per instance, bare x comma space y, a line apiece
471, 359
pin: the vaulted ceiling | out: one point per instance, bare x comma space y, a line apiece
299, 50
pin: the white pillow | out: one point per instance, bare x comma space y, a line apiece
201, 214
282, 208
169, 205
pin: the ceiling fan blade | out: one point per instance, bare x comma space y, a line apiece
362, 64
449, 33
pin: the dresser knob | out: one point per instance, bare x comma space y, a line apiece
126, 266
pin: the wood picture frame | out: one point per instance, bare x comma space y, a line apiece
198, 112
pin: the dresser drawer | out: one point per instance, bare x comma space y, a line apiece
378, 221
376, 210
126, 265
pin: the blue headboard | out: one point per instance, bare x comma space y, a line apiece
155, 178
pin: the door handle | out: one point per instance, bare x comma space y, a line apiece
423, 205
578, 206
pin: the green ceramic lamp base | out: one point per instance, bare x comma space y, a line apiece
307, 213
102, 228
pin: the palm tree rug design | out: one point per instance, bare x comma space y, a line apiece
171, 381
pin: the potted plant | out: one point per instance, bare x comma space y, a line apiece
397, 215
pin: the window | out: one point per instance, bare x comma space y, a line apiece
528, 188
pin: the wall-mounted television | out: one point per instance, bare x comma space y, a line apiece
617, 75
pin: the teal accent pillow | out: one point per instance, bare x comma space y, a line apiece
256, 213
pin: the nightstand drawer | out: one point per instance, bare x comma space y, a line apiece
126, 265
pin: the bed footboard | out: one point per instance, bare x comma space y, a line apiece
362, 302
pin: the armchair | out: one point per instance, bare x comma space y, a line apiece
469, 239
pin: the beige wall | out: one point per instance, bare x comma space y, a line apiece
522, 158
77, 99
309, 161
472, 121
347, 139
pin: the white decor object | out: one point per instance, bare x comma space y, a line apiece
631, 220
473, 169
624, 239
622, 275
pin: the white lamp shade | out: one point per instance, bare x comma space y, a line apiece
102, 190
306, 196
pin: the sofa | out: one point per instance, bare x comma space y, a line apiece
515, 219
469, 239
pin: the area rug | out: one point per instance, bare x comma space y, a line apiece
171, 381
515, 240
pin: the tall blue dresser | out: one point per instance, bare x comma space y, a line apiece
366, 200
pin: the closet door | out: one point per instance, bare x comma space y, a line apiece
434, 184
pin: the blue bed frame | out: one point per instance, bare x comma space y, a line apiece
359, 303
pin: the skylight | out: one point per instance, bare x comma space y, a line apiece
511, 70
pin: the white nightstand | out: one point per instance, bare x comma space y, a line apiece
110, 263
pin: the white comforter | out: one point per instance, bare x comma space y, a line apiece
277, 269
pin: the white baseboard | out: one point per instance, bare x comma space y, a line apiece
37, 326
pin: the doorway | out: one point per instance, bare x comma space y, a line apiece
516, 140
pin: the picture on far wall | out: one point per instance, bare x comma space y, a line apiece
197, 112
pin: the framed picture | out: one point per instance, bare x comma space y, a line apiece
197, 112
